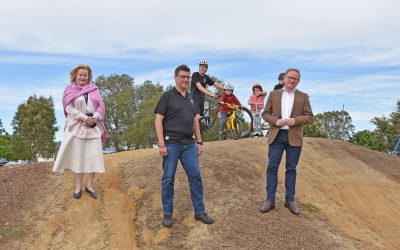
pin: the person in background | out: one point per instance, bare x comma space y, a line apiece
199, 83
281, 82
228, 98
175, 125
286, 112
84, 134
256, 102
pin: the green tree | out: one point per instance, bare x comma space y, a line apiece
5, 144
5, 148
2, 130
141, 133
316, 128
146, 91
337, 125
118, 94
387, 131
366, 139
34, 128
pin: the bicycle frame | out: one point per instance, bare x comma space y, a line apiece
233, 124
230, 121
210, 123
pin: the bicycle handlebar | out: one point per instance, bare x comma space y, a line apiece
233, 106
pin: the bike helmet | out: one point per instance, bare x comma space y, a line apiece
257, 85
229, 86
203, 62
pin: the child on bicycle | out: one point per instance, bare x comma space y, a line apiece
227, 98
256, 102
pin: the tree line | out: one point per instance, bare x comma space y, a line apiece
130, 122
338, 125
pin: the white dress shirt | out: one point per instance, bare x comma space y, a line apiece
287, 105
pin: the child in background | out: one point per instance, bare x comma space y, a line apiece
256, 102
230, 98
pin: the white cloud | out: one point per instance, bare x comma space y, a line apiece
13, 96
349, 56
36, 59
121, 26
334, 38
162, 76
365, 116
366, 85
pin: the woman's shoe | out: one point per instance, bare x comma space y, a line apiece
77, 195
92, 194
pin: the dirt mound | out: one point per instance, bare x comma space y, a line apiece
347, 194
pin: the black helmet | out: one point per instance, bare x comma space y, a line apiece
281, 75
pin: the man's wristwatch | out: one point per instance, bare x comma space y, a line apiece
199, 142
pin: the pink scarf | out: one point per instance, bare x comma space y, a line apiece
73, 91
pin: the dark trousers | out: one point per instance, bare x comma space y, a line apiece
275, 152
222, 120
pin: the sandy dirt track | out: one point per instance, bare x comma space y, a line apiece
348, 196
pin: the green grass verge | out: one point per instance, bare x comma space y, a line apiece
308, 207
11, 234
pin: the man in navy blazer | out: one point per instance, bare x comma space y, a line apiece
286, 111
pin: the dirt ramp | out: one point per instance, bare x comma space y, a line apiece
356, 192
348, 197
234, 180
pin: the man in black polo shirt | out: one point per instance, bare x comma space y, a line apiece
281, 82
175, 125
199, 86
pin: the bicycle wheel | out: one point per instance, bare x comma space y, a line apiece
208, 121
246, 119
204, 124
265, 129
237, 131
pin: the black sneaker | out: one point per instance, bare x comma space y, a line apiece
167, 220
204, 218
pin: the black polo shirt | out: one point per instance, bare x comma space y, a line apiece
204, 80
179, 113
278, 86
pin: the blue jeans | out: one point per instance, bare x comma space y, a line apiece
275, 152
257, 121
189, 158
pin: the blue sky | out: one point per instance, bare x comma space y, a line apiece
348, 52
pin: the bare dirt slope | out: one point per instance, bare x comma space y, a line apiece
348, 196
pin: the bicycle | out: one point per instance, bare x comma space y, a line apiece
239, 123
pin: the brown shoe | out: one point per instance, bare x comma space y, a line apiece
292, 207
267, 206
